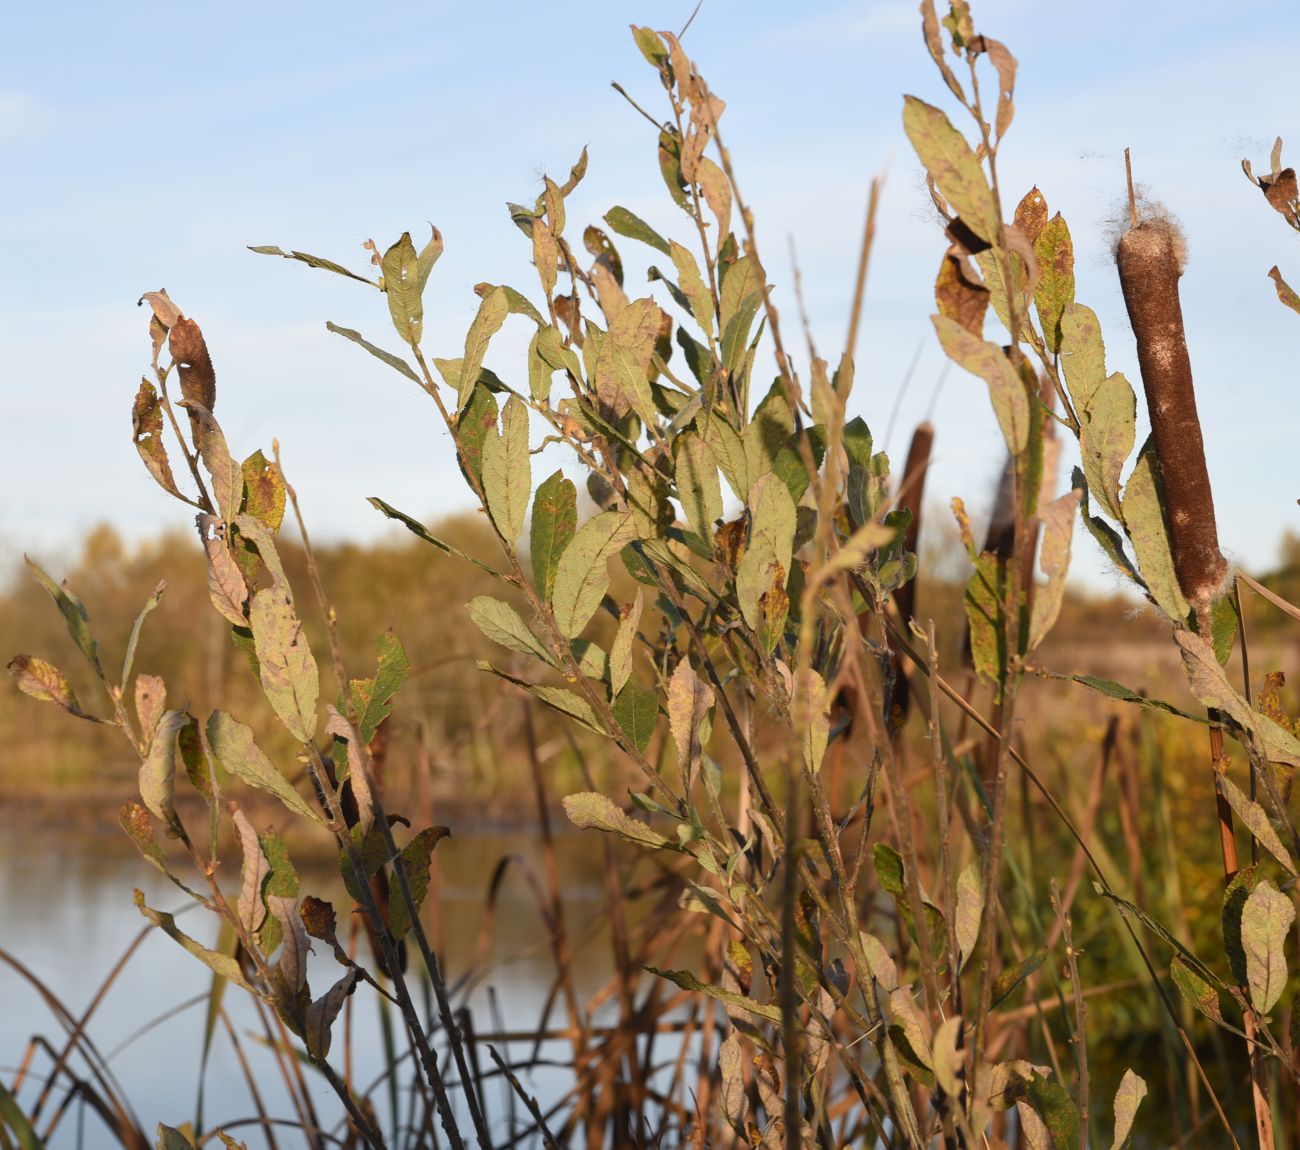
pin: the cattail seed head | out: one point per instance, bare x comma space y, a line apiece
1150, 258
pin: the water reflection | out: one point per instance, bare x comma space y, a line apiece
68, 917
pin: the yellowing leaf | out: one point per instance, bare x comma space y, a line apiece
591, 809
989, 362
582, 575
508, 471
952, 165
491, 315
285, 663
232, 743
1265, 922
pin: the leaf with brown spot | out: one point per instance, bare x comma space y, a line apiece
147, 435
44, 681
226, 586
1031, 213
288, 670
254, 871
959, 295
190, 353
264, 491
139, 827
150, 694
227, 479
1054, 291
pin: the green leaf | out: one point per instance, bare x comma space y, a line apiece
620, 652
508, 471
311, 261
636, 710
232, 743
372, 698
1198, 993
403, 287
555, 519
491, 315
1132, 1089
417, 857
989, 362
1125, 694
475, 425
285, 663
501, 623
1054, 291
771, 541
74, 615
591, 809
634, 228
1144, 519
417, 528
224, 965
729, 452
1107, 427
1266, 919
1053, 1104
687, 981
952, 165
557, 698
169, 1138
1256, 819
1012, 976
986, 594
698, 487
158, 768
582, 575
394, 361
1083, 353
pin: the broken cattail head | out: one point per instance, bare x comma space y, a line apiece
1150, 257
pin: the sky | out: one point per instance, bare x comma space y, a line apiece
145, 147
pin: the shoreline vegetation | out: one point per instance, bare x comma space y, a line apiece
901, 843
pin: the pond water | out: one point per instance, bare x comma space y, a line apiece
66, 913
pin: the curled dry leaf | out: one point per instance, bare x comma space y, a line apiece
189, 350
44, 681
147, 435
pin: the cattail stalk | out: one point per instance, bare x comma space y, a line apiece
1150, 263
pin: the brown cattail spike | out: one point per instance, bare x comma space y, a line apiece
1150, 258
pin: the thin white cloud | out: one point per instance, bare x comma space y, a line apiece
22, 118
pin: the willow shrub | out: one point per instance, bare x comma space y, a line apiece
757, 523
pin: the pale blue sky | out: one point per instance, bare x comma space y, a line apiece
143, 147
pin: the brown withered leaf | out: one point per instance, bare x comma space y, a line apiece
319, 918
569, 310
1285, 292
774, 608
165, 313
959, 294
729, 541
147, 435
1031, 214
264, 491
1005, 63
1283, 195
190, 352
